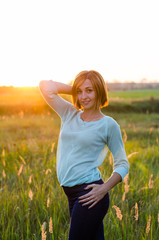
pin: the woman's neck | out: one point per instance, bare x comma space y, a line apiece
92, 115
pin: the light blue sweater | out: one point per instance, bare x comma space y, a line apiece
82, 146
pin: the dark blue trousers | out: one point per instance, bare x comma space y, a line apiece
86, 224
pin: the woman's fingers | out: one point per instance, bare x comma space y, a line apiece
88, 194
93, 197
88, 202
93, 205
90, 186
85, 198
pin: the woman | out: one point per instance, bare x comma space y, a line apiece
85, 136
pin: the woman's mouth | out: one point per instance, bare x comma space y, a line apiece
85, 103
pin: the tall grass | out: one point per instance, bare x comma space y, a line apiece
30, 194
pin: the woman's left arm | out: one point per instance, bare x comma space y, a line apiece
120, 165
99, 190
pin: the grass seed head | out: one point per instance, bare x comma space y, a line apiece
20, 170
43, 233
4, 174
151, 181
123, 197
22, 159
3, 152
125, 136
118, 212
30, 194
50, 226
52, 147
136, 212
30, 179
132, 154
148, 225
48, 202
47, 171
126, 187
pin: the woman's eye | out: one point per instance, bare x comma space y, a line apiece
78, 92
89, 90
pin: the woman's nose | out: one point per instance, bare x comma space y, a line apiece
83, 94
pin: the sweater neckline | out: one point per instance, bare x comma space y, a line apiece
82, 121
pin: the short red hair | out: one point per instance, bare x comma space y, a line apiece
98, 84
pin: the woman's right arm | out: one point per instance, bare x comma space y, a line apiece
61, 88
50, 90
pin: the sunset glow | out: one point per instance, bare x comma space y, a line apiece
58, 39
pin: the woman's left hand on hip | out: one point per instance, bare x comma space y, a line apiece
94, 196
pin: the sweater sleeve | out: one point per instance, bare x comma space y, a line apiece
49, 92
116, 146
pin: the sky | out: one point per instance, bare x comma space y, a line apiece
55, 40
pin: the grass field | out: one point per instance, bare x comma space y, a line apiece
135, 94
30, 195
29, 101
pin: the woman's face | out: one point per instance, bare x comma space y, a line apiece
86, 95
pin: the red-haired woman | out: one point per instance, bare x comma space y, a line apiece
86, 135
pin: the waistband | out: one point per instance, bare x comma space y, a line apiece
80, 187
100, 181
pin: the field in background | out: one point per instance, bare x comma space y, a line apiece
29, 101
141, 94
30, 195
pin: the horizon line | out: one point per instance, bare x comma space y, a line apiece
145, 81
